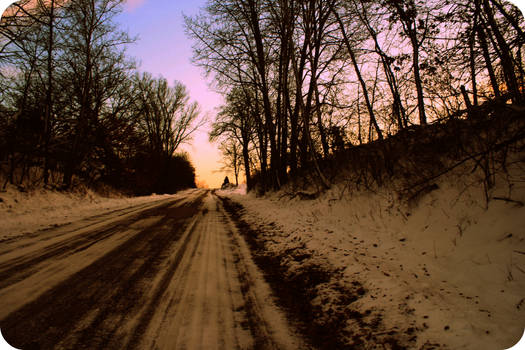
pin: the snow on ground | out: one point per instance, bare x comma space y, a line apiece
27, 212
448, 269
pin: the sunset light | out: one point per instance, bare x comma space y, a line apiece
164, 49
262, 174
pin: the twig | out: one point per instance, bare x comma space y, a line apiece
519, 268
508, 200
508, 235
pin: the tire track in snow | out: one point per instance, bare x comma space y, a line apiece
213, 300
89, 307
19, 267
180, 277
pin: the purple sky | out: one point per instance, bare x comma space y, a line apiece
163, 49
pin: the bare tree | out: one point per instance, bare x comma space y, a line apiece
164, 113
236, 122
370, 108
94, 63
232, 158
414, 19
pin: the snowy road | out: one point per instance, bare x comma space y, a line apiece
173, 274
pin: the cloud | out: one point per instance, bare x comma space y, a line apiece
132, 5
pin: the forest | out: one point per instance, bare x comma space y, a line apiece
310, 85
74, 109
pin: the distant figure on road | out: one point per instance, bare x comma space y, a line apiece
226, 183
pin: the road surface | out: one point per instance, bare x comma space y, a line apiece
174, 274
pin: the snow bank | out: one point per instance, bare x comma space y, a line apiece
448, 269
26, 212
240, 189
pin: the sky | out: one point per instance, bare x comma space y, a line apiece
163, 49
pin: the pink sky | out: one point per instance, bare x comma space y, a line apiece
133, 4
163, 49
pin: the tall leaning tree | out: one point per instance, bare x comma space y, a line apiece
414, 18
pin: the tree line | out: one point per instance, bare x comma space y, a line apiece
306, 79
73, 107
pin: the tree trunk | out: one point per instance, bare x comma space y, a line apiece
246, 159
397, 105
320, 126
49, 102
512, 20
261, 68
488, 61
298, 69
77, 154
371, 113
472, 62
507, 63
283, 176
417, 79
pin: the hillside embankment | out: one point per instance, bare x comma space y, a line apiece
419, 243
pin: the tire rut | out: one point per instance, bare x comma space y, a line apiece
14, 270
91, 307
180, 276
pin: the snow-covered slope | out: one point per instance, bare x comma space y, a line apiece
447, 271
27, 212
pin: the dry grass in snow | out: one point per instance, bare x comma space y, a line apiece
447, 271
